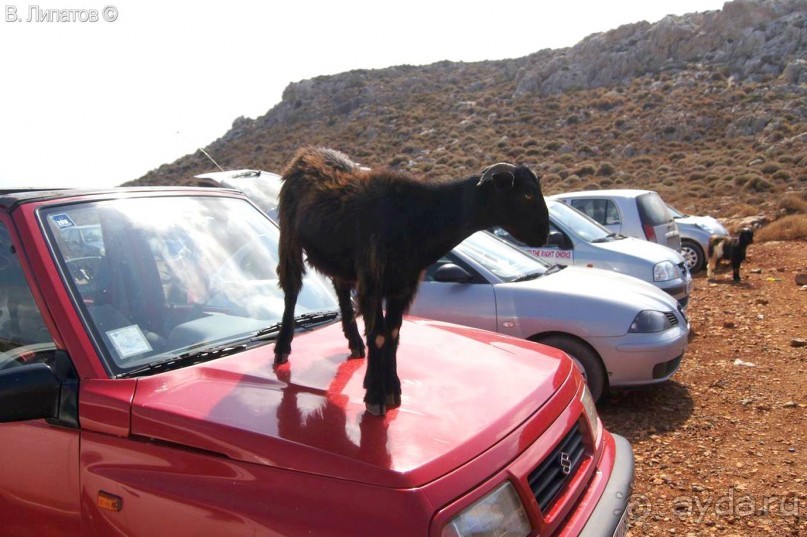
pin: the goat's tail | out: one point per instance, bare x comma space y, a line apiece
290, 266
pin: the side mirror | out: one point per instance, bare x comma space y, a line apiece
451, 273
29, 392
556, 238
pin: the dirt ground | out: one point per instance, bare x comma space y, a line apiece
720, 449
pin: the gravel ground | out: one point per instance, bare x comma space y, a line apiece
720, 449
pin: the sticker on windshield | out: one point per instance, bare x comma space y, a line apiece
129, 341
62, 220
553, 254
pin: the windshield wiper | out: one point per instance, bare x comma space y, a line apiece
607, 238
304, 321
528, 276
188, 358
554, 268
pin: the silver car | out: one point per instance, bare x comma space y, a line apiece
620, 330
631, 212
695, 233
575, 239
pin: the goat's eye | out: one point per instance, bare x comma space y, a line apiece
529, 197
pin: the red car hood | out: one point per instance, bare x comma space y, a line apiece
461, 395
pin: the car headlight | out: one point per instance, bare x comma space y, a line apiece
590, 410
649, 321
665, 271
500, 513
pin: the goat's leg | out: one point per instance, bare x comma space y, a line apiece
286, 334
374, 326
355, 343
710, 267
735, 266
394, 319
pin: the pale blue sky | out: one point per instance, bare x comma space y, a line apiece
100, 103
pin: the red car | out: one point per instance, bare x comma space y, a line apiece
138, 394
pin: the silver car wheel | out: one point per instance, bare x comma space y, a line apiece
585, 359
693, 256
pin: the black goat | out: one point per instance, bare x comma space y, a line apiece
728, 248
376, 231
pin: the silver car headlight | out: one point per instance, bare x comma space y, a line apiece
665, 271
500, 513
649, 321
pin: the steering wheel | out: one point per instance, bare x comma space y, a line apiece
26, 354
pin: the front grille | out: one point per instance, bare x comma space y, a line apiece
549, 478
665, 369
672, 318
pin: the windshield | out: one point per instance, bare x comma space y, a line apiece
504, 261
174, 274
576, 222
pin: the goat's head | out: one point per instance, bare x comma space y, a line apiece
746, 236
516, 203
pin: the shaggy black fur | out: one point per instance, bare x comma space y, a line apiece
376, 231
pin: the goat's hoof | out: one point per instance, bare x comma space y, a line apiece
281, 358
355, 354
375, 409
393, 400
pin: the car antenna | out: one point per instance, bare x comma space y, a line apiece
211, 159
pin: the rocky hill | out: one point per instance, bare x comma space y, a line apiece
708, 108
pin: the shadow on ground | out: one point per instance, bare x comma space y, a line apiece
637, 414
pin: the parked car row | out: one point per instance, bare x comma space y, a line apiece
467, 287
136, 369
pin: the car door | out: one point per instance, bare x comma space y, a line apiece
39, 477
469, 303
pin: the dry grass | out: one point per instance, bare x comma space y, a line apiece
788, 228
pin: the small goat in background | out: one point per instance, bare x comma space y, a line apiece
376, 231
728, 248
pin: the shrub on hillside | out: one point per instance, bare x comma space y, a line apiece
758, 184
793, 203
788, 228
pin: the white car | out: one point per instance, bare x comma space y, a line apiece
641, 214
620, 331
576, 239
695, 233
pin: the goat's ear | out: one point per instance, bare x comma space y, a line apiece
504, 180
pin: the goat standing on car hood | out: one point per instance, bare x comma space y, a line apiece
376, 231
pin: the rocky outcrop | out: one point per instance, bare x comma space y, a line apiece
749, 39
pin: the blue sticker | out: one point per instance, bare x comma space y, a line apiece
62, 220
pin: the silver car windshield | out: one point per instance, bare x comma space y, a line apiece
173, 274
583, 226
506, 262
263, 190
